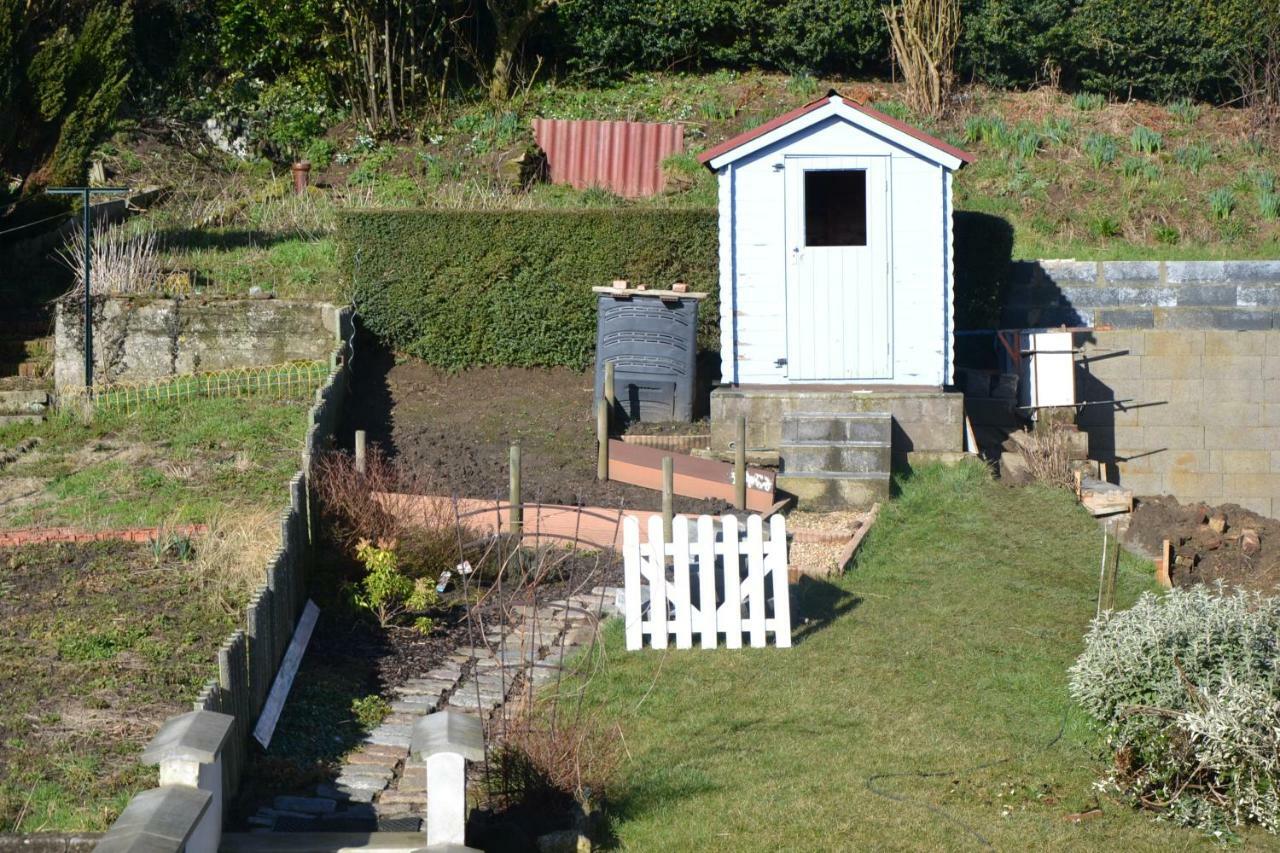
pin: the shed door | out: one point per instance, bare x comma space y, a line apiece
839, 297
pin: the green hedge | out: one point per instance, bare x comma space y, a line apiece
469, 288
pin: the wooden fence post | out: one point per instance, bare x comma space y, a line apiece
602, 439
361, 458
740, 465
610, 392
517, 508
668, 496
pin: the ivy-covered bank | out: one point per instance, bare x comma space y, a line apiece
469, 288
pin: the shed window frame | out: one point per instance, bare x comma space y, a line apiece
827, 219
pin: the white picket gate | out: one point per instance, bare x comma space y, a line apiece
715, 584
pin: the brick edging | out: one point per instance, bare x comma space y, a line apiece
49, 535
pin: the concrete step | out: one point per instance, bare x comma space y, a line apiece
23, 402
837, 426
833, 490
322, 842
844, 456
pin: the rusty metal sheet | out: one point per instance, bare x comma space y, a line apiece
624, 157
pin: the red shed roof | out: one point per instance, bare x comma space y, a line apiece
833, 98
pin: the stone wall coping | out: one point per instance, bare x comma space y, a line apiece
157, 821
447, 731
193, 736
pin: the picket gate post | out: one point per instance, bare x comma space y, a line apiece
731, 610
633, 582
658, 619
707, 581
776, 561
680, 589
755, 581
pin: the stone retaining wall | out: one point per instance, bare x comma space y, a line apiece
137, 338
1228, 295
1197, 412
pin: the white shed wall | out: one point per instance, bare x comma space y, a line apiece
753, 252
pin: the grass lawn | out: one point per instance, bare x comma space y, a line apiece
99, 643
933, 672
163, 464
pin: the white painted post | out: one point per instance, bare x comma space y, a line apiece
755, 581
731, 612
446, 741
188, 749
632, 582
776, 560
680, 592
707, 581
657, 583
361, 464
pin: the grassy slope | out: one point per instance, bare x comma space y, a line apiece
180, 463
947, 652
234, 225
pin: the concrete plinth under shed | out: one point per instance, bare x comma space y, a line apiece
928, 422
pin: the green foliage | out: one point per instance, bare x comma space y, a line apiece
385, 591
1186, 689
1056, 130
319, 153
897, 109
369, 711
1194, 157
1185, 110
293, 111
513, 287
987, 130
1104, 227
1101, 149
1167, 235
1140, 167
1009, 42
1269, 204
1144, 140
1088, 101
1222, 202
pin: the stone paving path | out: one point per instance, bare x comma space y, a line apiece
380, 785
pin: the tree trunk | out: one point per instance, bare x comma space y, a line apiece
510, 31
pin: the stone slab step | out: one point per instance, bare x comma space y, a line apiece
329, 842
833, 490
9, 420
837, 426
24, 402
847, 456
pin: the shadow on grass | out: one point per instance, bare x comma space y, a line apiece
815, 605
224, 240
648, 795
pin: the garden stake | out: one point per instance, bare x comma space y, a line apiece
602, 439
740, 465
668, 491
361, 462
517, 510
610, 392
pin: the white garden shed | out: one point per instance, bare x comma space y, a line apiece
835, 250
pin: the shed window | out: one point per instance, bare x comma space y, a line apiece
835, 207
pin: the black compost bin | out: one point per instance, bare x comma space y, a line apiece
651, 337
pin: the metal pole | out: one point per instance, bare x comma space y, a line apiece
740, 465
88, 302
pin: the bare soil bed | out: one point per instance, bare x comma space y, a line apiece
99, 644
454, 431
1210, 555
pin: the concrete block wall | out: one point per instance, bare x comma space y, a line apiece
1229, 295
1197, 413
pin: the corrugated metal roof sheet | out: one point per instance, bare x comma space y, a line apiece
624, 157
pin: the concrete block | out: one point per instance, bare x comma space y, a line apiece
1169, 343
1207, 294
1271, 366
1141, 483
195, 736
446, 731
1251, 485
1172, 367
1130, 341
1073, 271
1258, 295
1213, 318
1113, 271
1178, 272
1240, 461
1273, 344
832, 492
1232, 414
1109, 368
1241, 438
1271, 414
835, 457
1147, 297
1271, 390
1220, 367
1088, 297
1191, 483
1262, 506
1268, 271
1172, 414
1172, 438
1219, 343
1126, 318
1189, 460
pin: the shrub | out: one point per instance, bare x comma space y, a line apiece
1010, 42
1104, 227
1167, 235
1101, 149
386, 592
1144, 140
370, 711
468, 288
988, 130
1186, 690
1222, 202
1194, 157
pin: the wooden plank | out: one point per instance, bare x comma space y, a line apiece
1164, 565
776, 563
855, 542
657, 558
755, 581
632, 581
730, 620
703, 479
628, 292
266, 726
680, 584
707, 581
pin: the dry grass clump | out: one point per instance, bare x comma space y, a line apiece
544, 759
1047, 451
123, 261
229, 561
